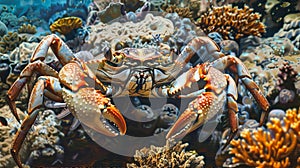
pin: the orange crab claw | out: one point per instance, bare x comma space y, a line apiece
95, 110
183, 125
112, 114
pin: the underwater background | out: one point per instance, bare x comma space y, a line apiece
263, 34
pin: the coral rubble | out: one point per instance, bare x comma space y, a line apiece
231, 22
276, 146
171, 155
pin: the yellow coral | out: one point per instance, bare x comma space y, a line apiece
66, 25
171, 155
275, 147
27, 28
10, 41
231, 22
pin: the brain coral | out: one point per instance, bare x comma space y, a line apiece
291, 29
3, 29
10, 41
171, 155
106, 35
276, 146
231, 22
65, 25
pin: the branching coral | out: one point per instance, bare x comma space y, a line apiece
66, 25
231, 22
10, 41
277, 146
182, 12
287, 77
171, 155
27, 28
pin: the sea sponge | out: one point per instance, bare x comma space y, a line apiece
3, 29
65, 25
276, 146
171, 155
10, 41
27, 28
231, 22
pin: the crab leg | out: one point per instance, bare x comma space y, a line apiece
24, 77
64, 55
35, 102
59, 48
237, 67
202, 46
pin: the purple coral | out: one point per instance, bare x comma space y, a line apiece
287, 77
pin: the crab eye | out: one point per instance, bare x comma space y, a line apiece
117, 59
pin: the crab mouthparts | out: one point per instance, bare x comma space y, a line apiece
182, 126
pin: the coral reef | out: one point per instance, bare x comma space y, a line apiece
276, 146
3, 29
182, 12
9, 19
27, 28
66, 25
44, 143
10, 41
231, 22
291, 29
6, 132
171, 155
111, 12
103, 36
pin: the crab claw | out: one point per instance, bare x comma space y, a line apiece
183, 125
200, 110
95, 111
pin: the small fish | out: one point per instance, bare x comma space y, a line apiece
3, 121
43, 1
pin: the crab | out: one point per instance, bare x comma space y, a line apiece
137, 73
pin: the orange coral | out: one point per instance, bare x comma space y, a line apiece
277, 146
65, 25
182, 12
231, 22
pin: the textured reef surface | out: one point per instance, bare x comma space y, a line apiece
263, 34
